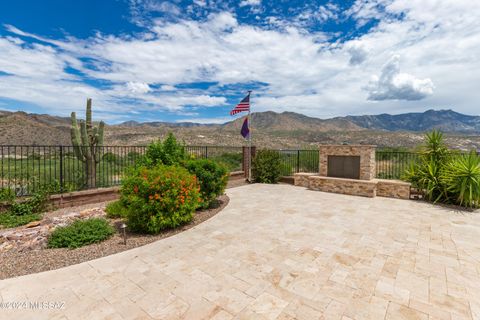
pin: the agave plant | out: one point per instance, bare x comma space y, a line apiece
462, 176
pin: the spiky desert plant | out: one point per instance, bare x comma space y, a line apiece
435, 148
462, 176
87, 141
426, 173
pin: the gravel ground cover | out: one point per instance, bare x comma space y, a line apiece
15, 263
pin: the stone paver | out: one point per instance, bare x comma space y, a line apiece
279, 252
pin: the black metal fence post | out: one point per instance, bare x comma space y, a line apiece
61, 170
298, 161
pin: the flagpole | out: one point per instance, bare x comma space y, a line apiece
250, 139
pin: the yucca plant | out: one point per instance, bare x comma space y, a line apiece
434, 149
462, 177
426, 174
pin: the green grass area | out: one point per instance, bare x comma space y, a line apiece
36, 172
31, 174
233, 161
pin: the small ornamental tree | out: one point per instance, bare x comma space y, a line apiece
266, 166
168, 152
159, 198
211, 176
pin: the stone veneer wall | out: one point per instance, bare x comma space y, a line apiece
367, 188
366, 153
393, 189
345, 186
302, 179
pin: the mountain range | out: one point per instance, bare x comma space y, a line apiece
270, 129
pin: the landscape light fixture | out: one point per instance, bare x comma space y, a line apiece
124, 227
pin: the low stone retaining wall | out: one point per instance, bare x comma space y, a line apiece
302, 179
366, 188
393, 189
78, 198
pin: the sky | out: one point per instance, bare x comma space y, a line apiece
155, 60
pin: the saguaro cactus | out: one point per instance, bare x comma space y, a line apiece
87, 141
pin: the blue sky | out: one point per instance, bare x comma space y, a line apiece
153, 60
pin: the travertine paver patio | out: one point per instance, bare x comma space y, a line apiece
281, 252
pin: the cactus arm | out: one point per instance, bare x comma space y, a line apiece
101, 130
75, 136
99, 140
89, 117
85, 143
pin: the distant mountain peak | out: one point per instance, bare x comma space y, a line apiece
24, 128
445, 119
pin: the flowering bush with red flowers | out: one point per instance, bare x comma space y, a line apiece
159, 198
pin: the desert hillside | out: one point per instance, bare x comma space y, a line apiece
270, 130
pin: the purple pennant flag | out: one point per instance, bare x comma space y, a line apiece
245, 132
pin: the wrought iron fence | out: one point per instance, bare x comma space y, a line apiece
294, 161
393, 164
389, 164
232, 157
27, 169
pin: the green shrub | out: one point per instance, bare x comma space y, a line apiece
159, 198
7, 195
10, 220
462, 178
20, 213
211, 176
80, 233
167, 152
116, 209
35, 204
266, 166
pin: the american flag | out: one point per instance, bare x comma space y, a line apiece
244, 105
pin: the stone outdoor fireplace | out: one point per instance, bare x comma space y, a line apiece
347, 161
343, 167
350, 169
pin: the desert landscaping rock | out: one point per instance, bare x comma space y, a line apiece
34, 235
22, 250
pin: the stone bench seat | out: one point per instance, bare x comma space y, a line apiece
366, 188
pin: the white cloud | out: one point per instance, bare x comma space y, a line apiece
201, 3
219, 120
244, 3
438, 42
358, 54
395, 85
138, 87
167, 87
